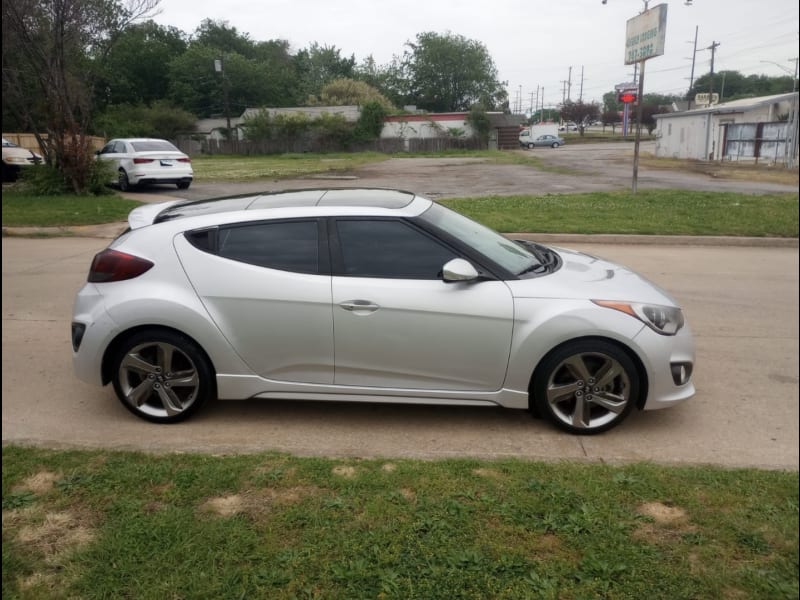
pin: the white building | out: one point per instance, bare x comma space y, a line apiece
751, 129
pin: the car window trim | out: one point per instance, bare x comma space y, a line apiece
323, 252
337, 257
483, 263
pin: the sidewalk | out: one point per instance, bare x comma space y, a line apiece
112, 230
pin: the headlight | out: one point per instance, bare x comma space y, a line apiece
15, 159
666, 320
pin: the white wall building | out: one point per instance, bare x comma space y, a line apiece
739, 130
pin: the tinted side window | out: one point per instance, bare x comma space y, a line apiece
289, 246
391, 249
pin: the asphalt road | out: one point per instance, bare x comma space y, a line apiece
742, 303
571, 169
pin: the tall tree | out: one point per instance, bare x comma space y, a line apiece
446, 72
137, 68
319, 65
51, 50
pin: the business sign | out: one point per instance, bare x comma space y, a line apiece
706, 99
645, 34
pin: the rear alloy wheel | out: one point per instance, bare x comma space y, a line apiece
124, 183
531, 146
586, 387
183, 185
162, 376
555, 144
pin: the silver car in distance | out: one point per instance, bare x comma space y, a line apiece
369, 295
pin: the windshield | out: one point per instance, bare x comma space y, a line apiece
7, 144
491, 244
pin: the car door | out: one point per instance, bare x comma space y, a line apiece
267, 287
399, 325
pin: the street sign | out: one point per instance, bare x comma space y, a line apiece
706, 99
628, 96
645, 34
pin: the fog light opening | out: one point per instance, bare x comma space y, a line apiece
681, 372
78, 329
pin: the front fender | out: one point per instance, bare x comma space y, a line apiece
542, 324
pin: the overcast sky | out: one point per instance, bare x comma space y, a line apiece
533, 42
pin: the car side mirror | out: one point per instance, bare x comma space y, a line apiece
459, 269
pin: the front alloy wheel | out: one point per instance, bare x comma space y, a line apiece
162, 376
586, 387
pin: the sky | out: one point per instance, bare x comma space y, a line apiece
536, 45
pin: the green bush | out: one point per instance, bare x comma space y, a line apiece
44, 180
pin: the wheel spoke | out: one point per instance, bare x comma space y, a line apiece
172, 404
577, 367
557, 393
138, 395
165, 352
184, 379
608, 372
135, 362
582, 416
609, 401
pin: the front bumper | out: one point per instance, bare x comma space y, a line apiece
663, 357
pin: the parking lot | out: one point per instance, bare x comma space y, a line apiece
741, 302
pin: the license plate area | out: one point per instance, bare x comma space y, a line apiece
166, 162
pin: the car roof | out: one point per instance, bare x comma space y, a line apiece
373, 198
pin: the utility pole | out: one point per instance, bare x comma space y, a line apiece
564, 91
713, 47
691, 77
794, 81
580, 98
569, 84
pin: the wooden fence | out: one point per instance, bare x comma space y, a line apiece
299, 145
28, 141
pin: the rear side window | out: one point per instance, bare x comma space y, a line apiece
284, 245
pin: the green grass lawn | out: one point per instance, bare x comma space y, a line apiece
101, 524
664, 212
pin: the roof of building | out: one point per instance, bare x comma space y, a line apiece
734, 106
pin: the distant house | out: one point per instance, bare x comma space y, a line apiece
405, 127
503, 135
750, 129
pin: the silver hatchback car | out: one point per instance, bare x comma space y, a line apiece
369, 295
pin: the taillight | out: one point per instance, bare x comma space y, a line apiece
186, 160
111, 265
139, 161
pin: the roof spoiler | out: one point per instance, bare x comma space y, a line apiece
144, 215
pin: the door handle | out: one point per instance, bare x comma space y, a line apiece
359, 306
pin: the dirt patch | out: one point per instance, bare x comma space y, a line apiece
409, 494
662, 513
345, 471
59, 533
488, 473
389, 467
39, 483
669, 526
254, 503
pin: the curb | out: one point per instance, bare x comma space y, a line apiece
112, 230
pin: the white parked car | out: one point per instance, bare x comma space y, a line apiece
142, 161
369, 296
16, 158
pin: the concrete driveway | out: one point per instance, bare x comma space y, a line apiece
742, 303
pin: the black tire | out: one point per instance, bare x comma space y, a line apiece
531, 146
555, 144
586, 386
183, 185
124, 182
162, 376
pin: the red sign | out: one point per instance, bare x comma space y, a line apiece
627, 97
